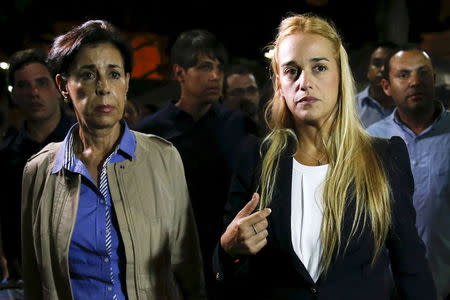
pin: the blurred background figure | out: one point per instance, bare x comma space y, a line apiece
241, 91
205, 132
373, 103
11, 115
4, 104
34, 92
4, 101
132, 113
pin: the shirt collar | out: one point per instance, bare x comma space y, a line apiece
65, 156
128, 141
366, 99
394, 118
364, 93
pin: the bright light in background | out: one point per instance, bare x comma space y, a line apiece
10, 88
269, 54
4, 65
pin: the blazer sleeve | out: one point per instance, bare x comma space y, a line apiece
407, 252
30, 270
243, 185
185, 249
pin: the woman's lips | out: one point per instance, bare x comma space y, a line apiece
306, 100
105, 108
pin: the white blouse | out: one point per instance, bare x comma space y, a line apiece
306, 214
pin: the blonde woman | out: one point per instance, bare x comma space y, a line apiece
333, 205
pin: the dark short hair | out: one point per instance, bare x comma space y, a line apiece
240, 69
66, 47
406, 47
25, 57
190, 44
383, 44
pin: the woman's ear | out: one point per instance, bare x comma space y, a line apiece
61, 82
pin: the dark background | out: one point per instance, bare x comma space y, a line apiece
245, 28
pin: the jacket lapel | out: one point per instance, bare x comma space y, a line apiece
65, 206
281, 211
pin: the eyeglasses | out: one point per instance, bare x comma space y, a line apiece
237, 92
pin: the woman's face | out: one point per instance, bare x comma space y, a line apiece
97, 86
308, 77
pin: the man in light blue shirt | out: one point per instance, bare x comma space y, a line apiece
424, 124
373, 103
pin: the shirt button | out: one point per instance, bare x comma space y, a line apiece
313, 290
106, 259
110, 288
102, 201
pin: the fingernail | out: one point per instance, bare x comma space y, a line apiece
269, 210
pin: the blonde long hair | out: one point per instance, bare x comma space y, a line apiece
355, 170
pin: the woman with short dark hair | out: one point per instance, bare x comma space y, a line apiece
106, 213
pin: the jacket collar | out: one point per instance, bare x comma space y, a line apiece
65, 155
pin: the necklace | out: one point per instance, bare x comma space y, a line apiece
319, 163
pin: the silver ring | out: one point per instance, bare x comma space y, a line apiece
254, 229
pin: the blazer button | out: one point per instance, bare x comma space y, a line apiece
313, 290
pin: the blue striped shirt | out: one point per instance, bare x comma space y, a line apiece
96, 253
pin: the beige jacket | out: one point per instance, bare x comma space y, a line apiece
154, 215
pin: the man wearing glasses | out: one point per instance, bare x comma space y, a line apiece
241, 91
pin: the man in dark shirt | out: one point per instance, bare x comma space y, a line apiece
240, 90
35, 92
205, 133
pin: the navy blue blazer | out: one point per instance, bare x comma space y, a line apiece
277, 273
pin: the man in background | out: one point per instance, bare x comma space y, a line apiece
35, 93
373, 103
424, 124
205, 133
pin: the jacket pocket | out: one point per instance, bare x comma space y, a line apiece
153, 254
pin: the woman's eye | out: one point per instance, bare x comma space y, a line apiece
291, 73
87, 75
321, 68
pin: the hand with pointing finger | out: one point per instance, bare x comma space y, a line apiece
247, 233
